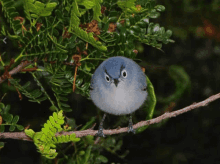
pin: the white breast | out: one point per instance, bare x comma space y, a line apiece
120, 100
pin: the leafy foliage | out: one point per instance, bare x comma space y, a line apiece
56, 32
11, 13
34, 96
38, 8
7, 119
50, 34
46, 139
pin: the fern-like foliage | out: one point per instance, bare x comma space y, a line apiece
50, 33
34, 96
46, 139
10, 13
7, 119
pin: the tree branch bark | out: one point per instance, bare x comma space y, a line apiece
16, 70
22, 136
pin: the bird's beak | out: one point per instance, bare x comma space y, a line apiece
116, 81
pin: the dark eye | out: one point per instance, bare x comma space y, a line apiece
107, 78
124, 73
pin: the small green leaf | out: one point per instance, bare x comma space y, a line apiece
81, 152
2, 144
88, 37
2, 106
168, 33
2, 128
154, 14
71, 122
15, 119
156, 28
90, 139
160, 8
53, 108
7, 108
97, 10
55, 116
12, 128
61, 122
29, 132
102, 159
87, 154
112, 19
20, 127
39, 8
7, 117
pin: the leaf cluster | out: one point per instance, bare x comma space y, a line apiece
50, 33
7, 119
53, 32
46, 139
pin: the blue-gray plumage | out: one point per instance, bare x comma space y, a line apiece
118, 87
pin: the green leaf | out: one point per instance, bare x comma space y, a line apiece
20, 127
2, 144
7, 108
12, 128
90, 139
86, 3
2, 106
102, 159
74, 20
2, 128
81, 152
88, 37
29, 132
150, 104
125, 4
87, 154
71, 122
7, 117
154, 14
15, 119
97, 10
53, 108
160, 8
39, 8
168, 33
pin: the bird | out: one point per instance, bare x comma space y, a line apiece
118, 87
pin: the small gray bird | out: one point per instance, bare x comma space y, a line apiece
118, 87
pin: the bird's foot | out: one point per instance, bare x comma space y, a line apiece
100, 133
131, 129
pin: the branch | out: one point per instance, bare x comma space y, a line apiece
22, 136
15, 70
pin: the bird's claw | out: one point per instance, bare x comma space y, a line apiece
131, 129
100, 133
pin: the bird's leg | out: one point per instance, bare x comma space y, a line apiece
130, 125
100, 130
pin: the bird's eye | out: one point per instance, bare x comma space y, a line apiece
124, 73
107, 78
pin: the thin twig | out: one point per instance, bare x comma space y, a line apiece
16, 70
22, 136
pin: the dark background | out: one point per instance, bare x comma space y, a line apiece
192, 137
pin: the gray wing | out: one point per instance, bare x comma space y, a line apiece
91, 87
142, 81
